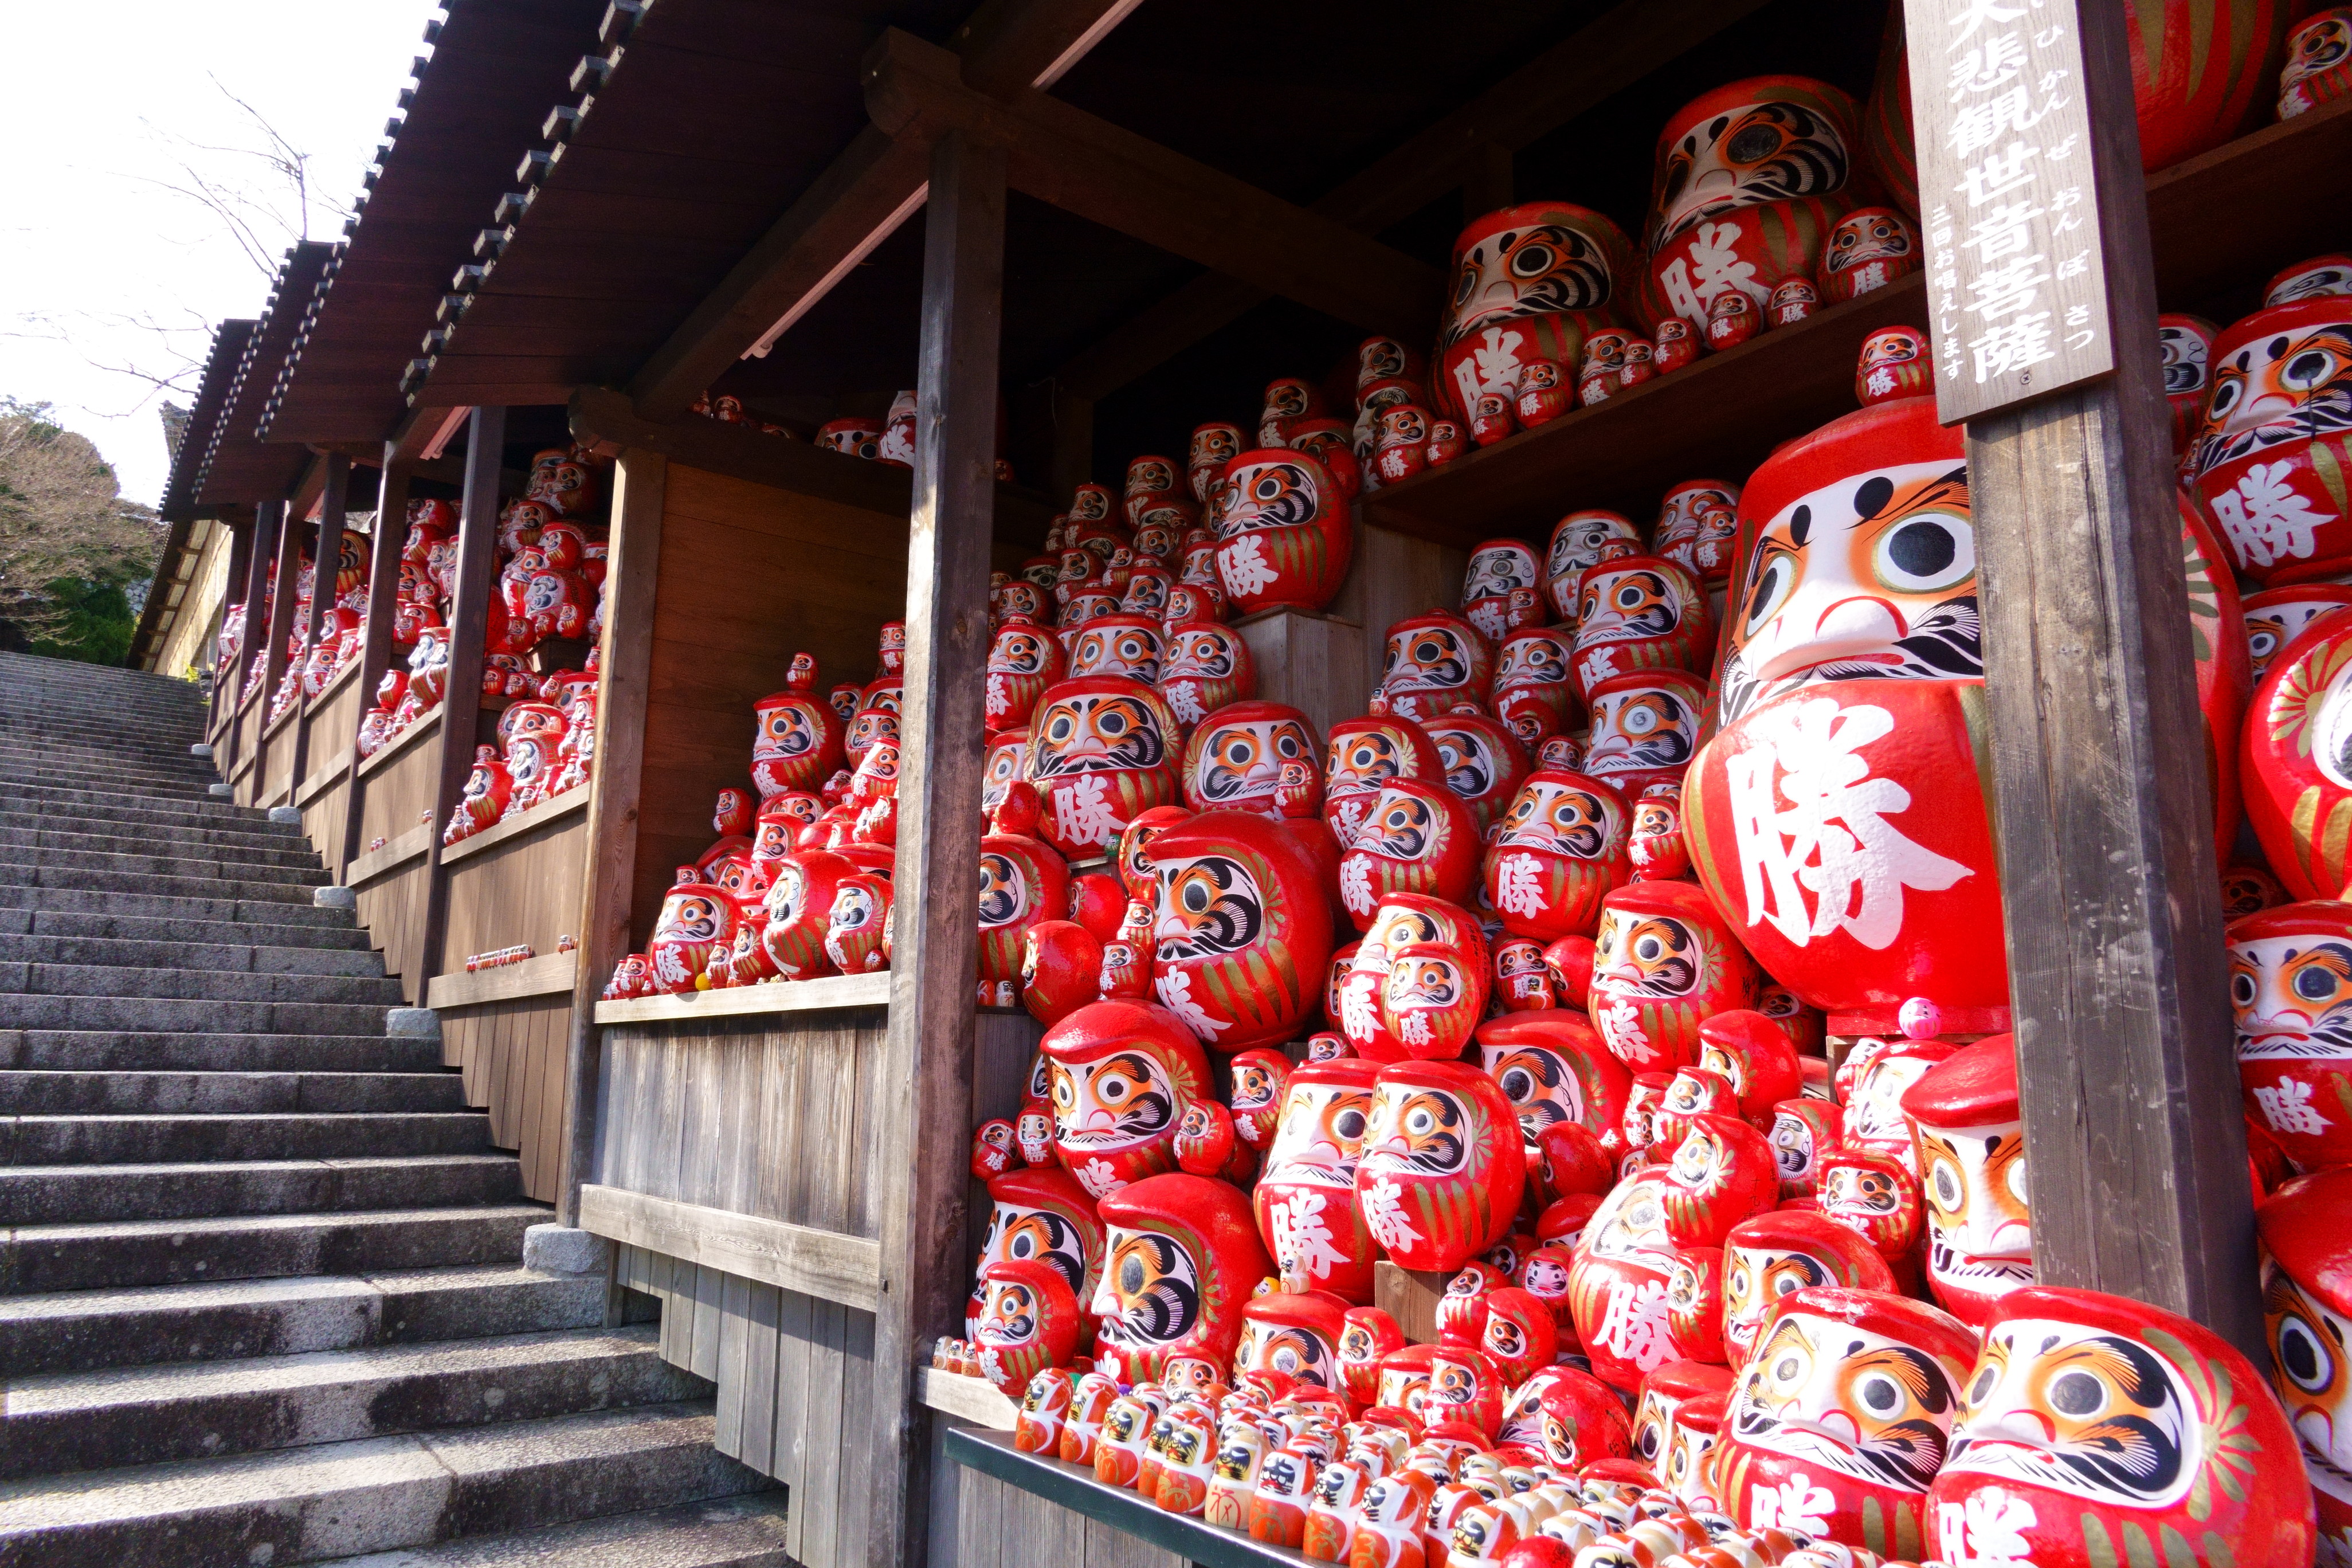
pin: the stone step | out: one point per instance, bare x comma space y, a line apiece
195, 985
85, 1330
124, 767
201, 1410
252, 913
745, 1532
84, 1194
131, 715
226, 1093
82, 803
305, 875
160, 834
40, 1259
177, 1013
293, 928
208, 957
13, 774
133, 1051
180, 858
155, 1139
377, 1494
138, 884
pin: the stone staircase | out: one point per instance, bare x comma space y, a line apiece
261, 1295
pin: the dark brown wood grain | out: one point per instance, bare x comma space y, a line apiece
376, 650
461, 707
334, 500
2111, 893
930, 1046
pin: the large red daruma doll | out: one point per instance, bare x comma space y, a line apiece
798, 743
1443, 1165
1241, 926
2306, 1234
1750, 179
1555, 854
1529, 282
1102, 750
1181, 1255
1282, 535
2269, 457
1122, 1074
1837, 817
1306, 1198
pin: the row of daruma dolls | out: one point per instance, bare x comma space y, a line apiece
552, 558
312, 661
547, 746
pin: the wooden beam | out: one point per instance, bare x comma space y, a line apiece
605, 420
1634, 38
1488, 181
829, 993
383, 593
1110, 176
2110, 891
544, 975
929, 1046
461, 705
624, 683
820, 1263
860, 200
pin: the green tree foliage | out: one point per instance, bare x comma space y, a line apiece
69, 543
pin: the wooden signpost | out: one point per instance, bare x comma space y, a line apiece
2043, 301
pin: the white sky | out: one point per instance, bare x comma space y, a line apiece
101, 95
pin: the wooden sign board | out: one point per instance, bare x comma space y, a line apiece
2017, 291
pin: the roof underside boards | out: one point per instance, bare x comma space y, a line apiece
497, 66
237, 466
715, 115
229, 340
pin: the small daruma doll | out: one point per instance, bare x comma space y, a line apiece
1101, 751
1529, 283
1241, 926
1502, 592
1179, 1258
1306, 1198
2306, 1234
1028, 1321
1208, 668
1361, 756
1554, 856
1645, 728
1023, 662
1416, 838
1435, 661
1284, 538
1443, 1166
1643, 612
1579, 539
798, 744
1971, 1146
1751, 177
2094, 1429
1664, 962
1235, 758
1122, 1075
1840, 1418
2290, 989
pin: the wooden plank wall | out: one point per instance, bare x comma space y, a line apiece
324, 814
511, 1054
979, 1522
248, 742
750, 575
394, 794
768, 1116
392, 912
526, 889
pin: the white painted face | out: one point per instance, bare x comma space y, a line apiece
2293, 997
1495, 571
2312, 1371
1792, 1147
1853, 1401
1241, 761
1750, 153
1972, 1179
1320, 1135
1121, 1100
2081, 1410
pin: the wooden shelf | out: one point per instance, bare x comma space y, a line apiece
1121, 1508
271, 727
326, 778
343, 676
547, 975
831, 992
395, 853
972, 1399
571, 801
2219, 224
428, 724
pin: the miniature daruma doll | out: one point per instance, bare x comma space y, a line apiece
1971, 1147
2093, 1429
1852, 699
1751, 177
2290, 989
1028, 1321
1101, 751
1179, 1258
1442, 1166
1122, 1075
1242, 929
1839, 1421
2306, 1234
1664, 962
1283, 535
798, 743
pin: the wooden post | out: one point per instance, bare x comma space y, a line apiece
281, 607
470, 616
334, 500
927, 1062
2112, 901
624, 666
384, 596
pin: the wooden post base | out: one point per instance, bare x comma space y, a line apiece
1410, 1296
1314, 663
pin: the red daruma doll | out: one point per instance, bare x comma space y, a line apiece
1529, 282
1242, 929
1179, 1258
1306, 1198
1102, 750
1443, 1165
1283, 535
798, 743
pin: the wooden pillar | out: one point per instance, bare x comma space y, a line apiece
334, 500
261, 556
625, 667
928, 1056
383, 594
240, 573
470, 616
2117, 976
281, 610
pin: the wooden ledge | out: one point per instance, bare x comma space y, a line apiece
832, 992
271, 727
334, 688
1190, 1537
326, 778
820, 1263
515, 827
428, 725
546, 975
244, 766
396, 853
972, 1399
